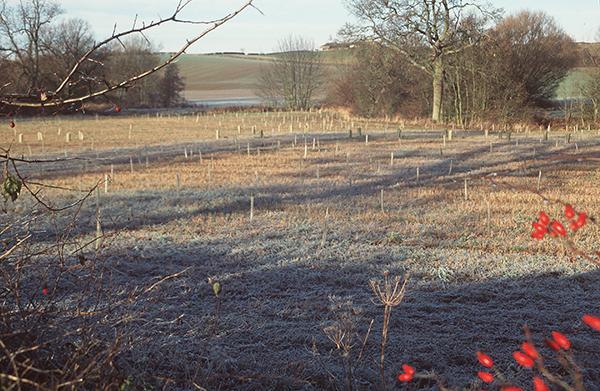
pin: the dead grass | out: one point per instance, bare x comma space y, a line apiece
470, 288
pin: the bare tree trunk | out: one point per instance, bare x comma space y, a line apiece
438, 87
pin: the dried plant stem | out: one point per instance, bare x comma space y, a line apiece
389, 297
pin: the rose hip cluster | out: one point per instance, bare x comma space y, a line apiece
526, 358
408, 373
544, 226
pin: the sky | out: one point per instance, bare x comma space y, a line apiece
253, 32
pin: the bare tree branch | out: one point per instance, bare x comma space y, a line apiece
54, 97
424, 31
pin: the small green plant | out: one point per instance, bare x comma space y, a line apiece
11, 188
394, 238
136, 384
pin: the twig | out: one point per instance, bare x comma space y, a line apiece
56, 102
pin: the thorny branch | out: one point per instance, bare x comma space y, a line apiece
8, 160
493, 178
53, 99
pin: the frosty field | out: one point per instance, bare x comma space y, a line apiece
286, 221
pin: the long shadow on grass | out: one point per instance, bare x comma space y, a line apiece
266, 198
276, 305
101, 160
434, 171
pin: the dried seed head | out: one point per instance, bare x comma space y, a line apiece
390, 296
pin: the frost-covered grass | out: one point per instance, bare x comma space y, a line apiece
473, 281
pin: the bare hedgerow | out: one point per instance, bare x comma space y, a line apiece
63, 322
66, 321
56, 332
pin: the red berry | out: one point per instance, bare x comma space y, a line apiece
523, 359
540, 228
552, 345
592, 321
539, 384
486, 377
45, 291
4, 211
117, 109
529, 350
558, 227
581, 220
408, 369
544, 219
561, 340
569, 212
11, 124
537, 235
574, 226
484, 359
405, 377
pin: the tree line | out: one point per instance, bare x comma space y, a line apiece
38, 49
448, 64
499, 73
446, 60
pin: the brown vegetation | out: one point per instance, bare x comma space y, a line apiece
184, 222
496, 72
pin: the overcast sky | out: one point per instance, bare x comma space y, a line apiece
253, 32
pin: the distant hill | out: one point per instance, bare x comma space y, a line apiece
219, 76
233, 75
229, 75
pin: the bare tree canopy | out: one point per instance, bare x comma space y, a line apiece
294, 76
538, 53
375, 83
22, 30
424, 31
132, 56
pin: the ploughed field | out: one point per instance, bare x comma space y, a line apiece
298, 219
